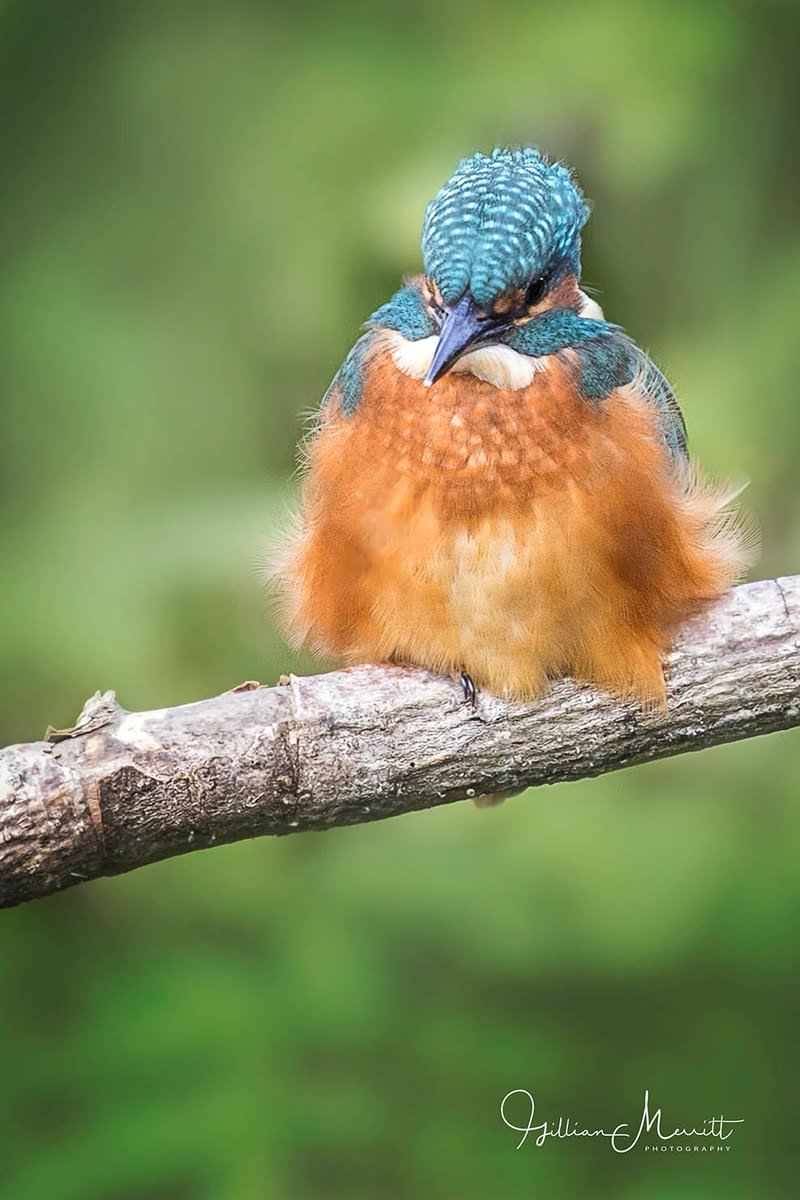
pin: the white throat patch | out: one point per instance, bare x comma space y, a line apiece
499, 365
590, 308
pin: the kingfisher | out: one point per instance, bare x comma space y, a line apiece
498, 485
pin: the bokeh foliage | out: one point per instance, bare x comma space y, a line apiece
201, 202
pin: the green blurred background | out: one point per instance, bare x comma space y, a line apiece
200, 204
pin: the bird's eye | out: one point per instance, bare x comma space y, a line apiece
536, 289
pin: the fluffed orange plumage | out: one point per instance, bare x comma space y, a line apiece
515, 535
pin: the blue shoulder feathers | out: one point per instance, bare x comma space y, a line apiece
656, 388
607, 360
406, 313
348, 380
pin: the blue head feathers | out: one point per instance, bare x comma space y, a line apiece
499, 221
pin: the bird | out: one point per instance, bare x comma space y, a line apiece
497, 486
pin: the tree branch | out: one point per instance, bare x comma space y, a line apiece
120, 790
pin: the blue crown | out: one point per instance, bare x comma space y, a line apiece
501, 220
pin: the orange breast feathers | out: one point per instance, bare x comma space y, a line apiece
514, 535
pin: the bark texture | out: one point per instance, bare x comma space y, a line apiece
120, 789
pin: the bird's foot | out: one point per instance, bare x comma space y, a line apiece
469, 689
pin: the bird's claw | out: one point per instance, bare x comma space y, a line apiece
469, 689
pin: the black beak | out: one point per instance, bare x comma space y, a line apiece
462, 326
